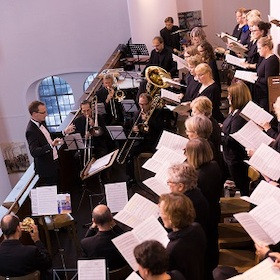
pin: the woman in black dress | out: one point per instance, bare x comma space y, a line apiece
234, 153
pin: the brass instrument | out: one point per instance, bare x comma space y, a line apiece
119, 95
26, 224
154, 75
96, 130
142, 127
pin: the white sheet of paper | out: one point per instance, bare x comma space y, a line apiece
92, 269
136, 211
156, 186
262, 192
181, 63
235, 60
256, 113
248, 76
266, 160
170, 95
116, 196
46, 200
251, 136
172, 141
99, 163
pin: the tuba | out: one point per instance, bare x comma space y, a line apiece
132, 136
154, 75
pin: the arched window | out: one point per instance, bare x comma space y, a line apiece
58, 97
89, 80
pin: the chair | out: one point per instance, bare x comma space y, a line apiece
241, 260
31, 276
233, 236
140, 173
121, 273
254, 176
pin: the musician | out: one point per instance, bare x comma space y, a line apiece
86, 128
171, 41
106, 95
240, 19
43, 144
161, 56
155, 124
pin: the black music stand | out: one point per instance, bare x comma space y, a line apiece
138, 49
129, 106
116, 132
74, 142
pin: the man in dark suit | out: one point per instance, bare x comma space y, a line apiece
98, 240
17, 259
171, 40
42, 144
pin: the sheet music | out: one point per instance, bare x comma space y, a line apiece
248, 76
46, 200
224, 36
101, 162
136, 211
267, 215
116, 196
170, 95
64, 203
172, 141
148, 229
256, 113
266, 160
34, 202
180, 109
92, 269
133, 276
263, 271
251, 136
181, 63
235, 60
156, 186
262, 192
163, 155
172, 82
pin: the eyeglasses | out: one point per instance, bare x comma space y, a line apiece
42, 113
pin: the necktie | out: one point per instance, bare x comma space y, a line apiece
49, 139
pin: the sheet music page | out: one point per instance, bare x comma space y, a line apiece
172, 141
267, 216
262, 192
101, 162
181, 63
64, 203
137, 210
162, 173
92, 269
170, 81
235, 60
223, 34
34, 202
251, 136
156, 186
47, 200
170, 95
126, 243
152, 165
133, 276
253, 228
263, 271
116, 196
151, 229
256, 113
266, 160
248, 76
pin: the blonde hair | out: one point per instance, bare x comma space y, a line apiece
179, 209
203, 104
199, 124
194, 60
266, 41
203, 68
198, 151
192, 50
240, 95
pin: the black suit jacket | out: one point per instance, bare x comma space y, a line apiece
171, 41
41, 150
17, 259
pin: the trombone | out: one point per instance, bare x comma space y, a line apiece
142, 127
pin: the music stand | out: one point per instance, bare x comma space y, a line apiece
129, 106
138, 49
74, 142
116, 132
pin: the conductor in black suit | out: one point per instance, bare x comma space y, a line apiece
42, 144
171, 40
17, 259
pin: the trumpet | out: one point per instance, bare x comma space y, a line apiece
133, 136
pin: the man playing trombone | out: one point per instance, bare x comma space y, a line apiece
107, 95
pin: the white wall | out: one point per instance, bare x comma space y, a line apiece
147, 17
275, 31
39, 38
